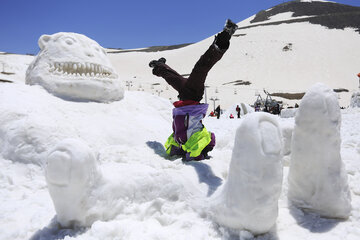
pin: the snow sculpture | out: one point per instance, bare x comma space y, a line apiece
249, 198
355, 100
73, 66
71, 172
83, 193
317, 180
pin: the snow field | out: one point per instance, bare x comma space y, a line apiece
140, 193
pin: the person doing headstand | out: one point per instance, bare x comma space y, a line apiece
190, 138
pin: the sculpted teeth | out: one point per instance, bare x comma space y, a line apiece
81, 69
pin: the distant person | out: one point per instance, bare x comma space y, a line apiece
218, 112
190, 138
277, 109
238, 111
359, 79
231, 116
266, 109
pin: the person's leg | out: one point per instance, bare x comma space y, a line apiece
170, 75
194, 87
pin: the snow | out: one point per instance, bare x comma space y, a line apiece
13, 66
288, 112
253, 186
244, 109
73, 66
71, 171
355, 100
317, 178
136, 192
315, 1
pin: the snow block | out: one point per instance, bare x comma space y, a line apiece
70, 174
249, 198
288, 113
317, 179
355, 100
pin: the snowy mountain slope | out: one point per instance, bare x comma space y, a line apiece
328, 14
285, 58
13, 66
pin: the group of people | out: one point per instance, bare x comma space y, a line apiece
216, 113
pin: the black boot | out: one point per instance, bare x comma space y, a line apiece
230, 27
155, 63
222, 40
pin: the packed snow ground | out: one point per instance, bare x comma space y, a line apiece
156, 197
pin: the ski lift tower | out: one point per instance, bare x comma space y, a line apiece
205, 94
214, 100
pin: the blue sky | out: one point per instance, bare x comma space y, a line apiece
122, 23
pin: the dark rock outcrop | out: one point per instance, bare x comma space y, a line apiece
328, 14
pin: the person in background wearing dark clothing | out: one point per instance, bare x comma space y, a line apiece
238, 111
217, 111
190, 138
277, 109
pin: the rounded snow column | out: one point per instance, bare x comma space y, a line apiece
70, 172
317, 180
249, 198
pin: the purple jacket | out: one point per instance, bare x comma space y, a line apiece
187, 121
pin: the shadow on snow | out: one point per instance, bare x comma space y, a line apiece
55, 232
312, 221
203, 170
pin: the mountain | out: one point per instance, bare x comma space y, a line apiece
328, 14
284, 50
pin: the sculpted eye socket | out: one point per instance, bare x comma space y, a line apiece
69, 41
96, 47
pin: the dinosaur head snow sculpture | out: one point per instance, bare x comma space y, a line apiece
73, 66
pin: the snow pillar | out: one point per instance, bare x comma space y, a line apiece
249, 198
355, 100
317, 179
70, 173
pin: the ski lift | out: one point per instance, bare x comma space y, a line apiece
271, 105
